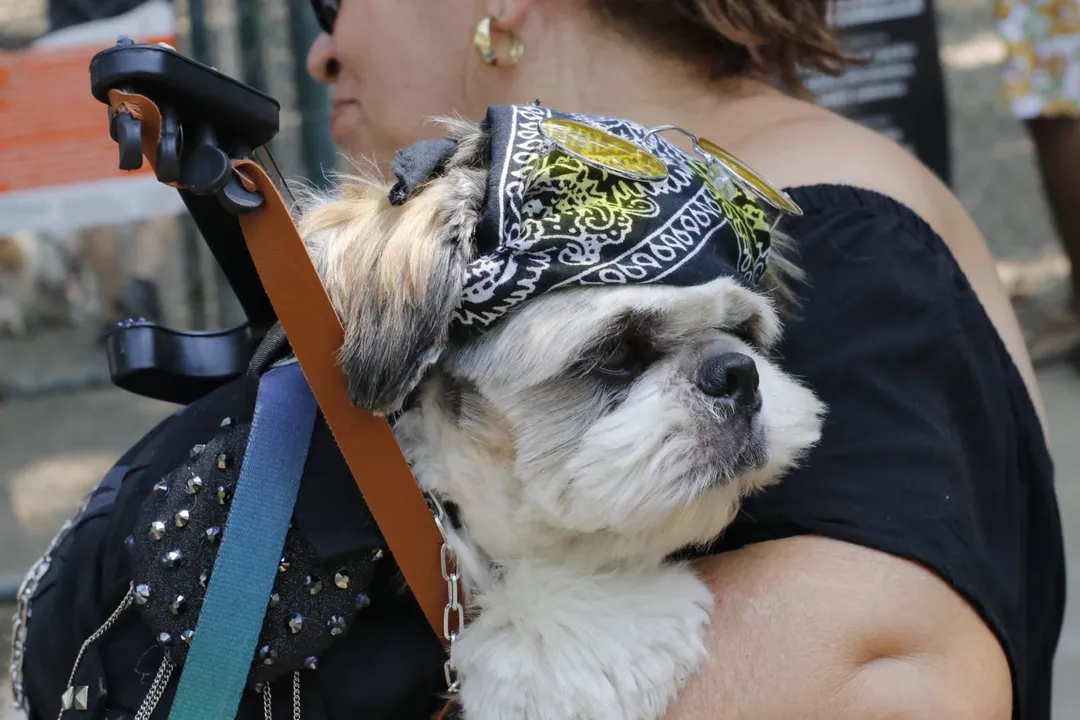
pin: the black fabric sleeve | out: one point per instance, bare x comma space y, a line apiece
931, 449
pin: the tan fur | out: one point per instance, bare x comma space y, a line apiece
781, 273
12, 256
395, 274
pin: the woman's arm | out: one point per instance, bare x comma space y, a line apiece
809, 628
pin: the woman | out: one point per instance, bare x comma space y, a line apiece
898, 338
1041, 82
913, 568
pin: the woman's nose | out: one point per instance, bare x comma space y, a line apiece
321, 63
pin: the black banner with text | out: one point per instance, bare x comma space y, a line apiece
900, 92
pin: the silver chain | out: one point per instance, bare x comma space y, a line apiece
296, 696
124, 605
157, 689
268, 699
454, 612
21, 619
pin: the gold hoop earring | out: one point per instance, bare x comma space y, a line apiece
484, 45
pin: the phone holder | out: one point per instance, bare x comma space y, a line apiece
208, 120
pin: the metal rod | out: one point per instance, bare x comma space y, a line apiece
250, 34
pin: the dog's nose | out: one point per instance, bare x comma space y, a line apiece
730, 376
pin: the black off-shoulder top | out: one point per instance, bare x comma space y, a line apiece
931, 451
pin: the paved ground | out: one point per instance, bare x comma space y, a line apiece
54, 447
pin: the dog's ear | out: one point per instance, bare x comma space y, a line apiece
395, 274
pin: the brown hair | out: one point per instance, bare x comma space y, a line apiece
728, 37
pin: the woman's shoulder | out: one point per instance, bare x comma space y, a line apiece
806, 146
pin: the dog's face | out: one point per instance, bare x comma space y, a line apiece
640, 414
621, 421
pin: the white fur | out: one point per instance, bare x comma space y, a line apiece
568, 519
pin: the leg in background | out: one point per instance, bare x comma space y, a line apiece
1057, 146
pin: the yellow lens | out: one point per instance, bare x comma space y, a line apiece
750, 180
603, 149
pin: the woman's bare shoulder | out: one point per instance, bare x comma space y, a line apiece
803, 144
807, 145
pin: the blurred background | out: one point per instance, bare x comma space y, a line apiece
101, 246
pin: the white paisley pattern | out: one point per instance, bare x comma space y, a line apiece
555, 211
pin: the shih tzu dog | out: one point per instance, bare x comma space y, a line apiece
570, 320
37, 276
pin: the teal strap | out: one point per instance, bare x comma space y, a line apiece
223, 649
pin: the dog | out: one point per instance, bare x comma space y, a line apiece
40, 280
585, 437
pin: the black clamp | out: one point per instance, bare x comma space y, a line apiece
209, 121
203, 169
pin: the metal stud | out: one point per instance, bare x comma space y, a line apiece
187, 636
259, 686
157, 530
336, 624
226, 422
142, 594
204, 579
267, 655
212, 534
194, 485
311, 663
182, 518
313, 585
178, 605
172, 558
224, 495
224, 461
377, 555
161, 488
275, 600
283, 565
341, 579
129, 543
295, 623
164, 640
362, 601
77, 698
196, 451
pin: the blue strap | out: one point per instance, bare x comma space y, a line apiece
232, 614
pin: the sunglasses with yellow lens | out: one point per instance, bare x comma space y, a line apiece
601, 149
629, 160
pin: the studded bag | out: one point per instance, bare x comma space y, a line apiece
178, 531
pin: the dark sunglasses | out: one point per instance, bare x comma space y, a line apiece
326, 13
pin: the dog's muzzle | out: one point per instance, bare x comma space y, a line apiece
731, 378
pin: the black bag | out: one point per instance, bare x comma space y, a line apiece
341, 628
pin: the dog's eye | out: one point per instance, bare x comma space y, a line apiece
624, 360
745, 332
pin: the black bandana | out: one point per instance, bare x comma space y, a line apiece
552, 221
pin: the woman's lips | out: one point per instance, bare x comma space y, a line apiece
338, 109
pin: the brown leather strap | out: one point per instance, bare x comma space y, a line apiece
450, 711
315, 334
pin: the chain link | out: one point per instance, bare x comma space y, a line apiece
157, 689
296, 696
124, 605
268, 703
454, 612
21, 620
